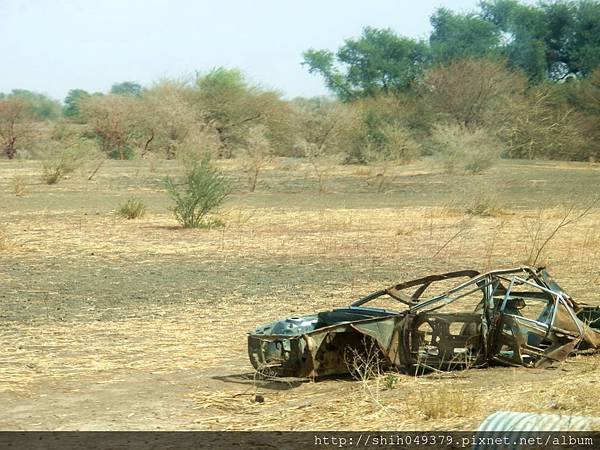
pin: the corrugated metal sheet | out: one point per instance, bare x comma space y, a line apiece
519, 424
516, 421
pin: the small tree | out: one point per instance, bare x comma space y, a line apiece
224, 99
71, 108
169, 119
469, 91
15, 124
202, 191
118, 123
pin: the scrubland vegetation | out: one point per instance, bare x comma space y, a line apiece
517, 81
144, 230
140, 324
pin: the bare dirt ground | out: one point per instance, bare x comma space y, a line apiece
109, 324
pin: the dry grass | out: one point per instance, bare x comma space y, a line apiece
6, 244
133, 208
19, 185
443, 402
363, 172
102, 326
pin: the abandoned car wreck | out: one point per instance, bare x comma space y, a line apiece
515, 317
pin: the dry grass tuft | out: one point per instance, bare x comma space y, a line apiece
19, 185
362, 172
132, 208
484, 204
442, 402
6, 244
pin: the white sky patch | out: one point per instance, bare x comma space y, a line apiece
52, 46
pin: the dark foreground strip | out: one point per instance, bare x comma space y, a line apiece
125, 440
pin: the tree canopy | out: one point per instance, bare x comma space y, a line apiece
126, 88
378, 61
40, 106
548, 41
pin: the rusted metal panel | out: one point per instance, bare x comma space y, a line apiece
517, 317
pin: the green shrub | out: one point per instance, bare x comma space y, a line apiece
200, 193
133, 208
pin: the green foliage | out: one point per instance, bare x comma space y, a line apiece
390, 381
133, 208
233, 107
203, 189
126, 88
71, 108
457, 36
41, 107
379, 61
523, 72
550, 40
222, 81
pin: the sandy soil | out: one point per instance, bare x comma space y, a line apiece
109, 324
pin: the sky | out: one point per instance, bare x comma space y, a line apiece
51, 46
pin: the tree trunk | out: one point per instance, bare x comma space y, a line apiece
10, 150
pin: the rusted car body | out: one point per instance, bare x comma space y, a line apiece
514, 317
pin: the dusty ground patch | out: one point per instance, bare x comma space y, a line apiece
116, 324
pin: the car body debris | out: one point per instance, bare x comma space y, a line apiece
513, 317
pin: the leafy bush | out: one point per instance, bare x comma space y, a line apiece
133, 208
200, 193
462, 149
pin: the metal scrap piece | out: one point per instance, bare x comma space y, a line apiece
516, 317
